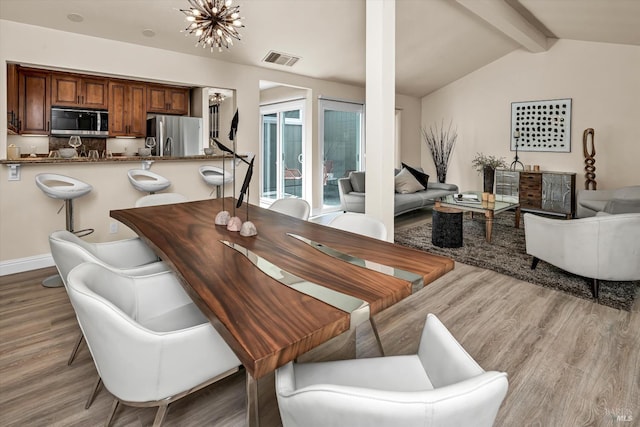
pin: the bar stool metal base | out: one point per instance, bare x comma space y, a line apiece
54, 281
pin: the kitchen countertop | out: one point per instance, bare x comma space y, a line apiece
26, 160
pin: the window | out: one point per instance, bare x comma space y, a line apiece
341, 127
282, 151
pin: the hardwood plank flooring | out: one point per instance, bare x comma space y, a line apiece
571, 362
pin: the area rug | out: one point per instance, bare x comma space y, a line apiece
506, 255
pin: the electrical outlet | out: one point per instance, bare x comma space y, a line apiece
113, 227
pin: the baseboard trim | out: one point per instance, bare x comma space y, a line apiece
20, 265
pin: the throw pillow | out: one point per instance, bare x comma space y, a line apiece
422, 177
407, 183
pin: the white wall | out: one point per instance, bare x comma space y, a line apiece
22, 205
602, 79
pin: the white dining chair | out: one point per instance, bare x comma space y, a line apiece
360, 224
440, 386
150, 344
131, 256
292, 206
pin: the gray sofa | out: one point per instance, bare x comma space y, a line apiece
352, 193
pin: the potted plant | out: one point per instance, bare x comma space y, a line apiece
487, 165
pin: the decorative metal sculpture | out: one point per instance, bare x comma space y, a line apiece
517, 161
589, 159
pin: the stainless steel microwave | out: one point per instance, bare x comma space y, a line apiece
70, 121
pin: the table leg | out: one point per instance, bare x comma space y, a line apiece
517, 224
489, 224
253, 417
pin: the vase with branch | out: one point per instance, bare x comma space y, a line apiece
487, 165
440, 142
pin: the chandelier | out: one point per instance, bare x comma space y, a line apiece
214, 22
216, 98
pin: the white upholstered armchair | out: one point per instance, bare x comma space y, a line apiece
130, 256
440, 386
150, 343
603, 247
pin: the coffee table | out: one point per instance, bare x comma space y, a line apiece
489, 209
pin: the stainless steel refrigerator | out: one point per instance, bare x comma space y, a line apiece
176, 135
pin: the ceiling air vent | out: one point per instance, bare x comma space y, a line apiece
281, 58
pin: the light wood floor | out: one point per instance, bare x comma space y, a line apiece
571, 362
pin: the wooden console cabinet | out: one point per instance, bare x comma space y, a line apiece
543, 191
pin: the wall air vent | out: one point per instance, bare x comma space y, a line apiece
280, 58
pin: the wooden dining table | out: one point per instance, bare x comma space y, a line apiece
266, 323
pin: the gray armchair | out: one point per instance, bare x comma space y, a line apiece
604, 247
621, 200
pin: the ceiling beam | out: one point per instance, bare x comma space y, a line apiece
504, 18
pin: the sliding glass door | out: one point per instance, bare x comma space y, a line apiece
342, 145
282, 151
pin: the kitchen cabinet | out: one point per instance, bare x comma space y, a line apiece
127, 108
541, 191
12, 98
34, 112
72, 90
167, 100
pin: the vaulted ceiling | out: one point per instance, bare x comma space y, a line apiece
437, 41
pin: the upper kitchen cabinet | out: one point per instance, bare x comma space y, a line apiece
71, 90
167, 100
34, 109
12, 98
127, 109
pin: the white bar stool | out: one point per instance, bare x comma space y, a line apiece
66, 188
215, 176
147, 181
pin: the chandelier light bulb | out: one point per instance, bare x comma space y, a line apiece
228, 3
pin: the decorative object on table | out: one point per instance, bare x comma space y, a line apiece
589, 159
440, 143
507, 255
516, 161
248, 228
214, 22
235, 223
487, 165
542, 125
